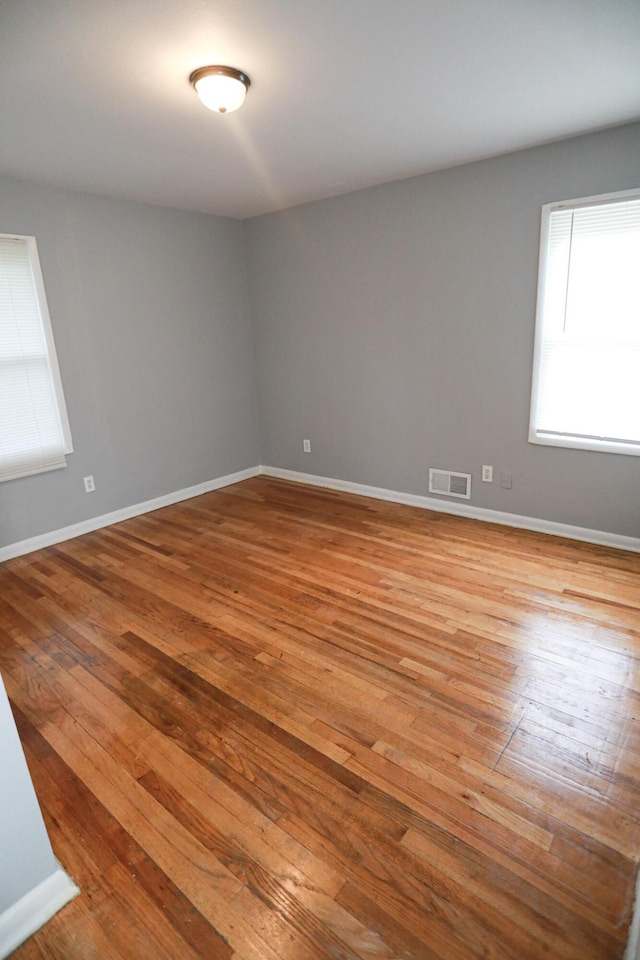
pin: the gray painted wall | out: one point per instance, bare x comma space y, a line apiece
149, 312
394, 328
26, 857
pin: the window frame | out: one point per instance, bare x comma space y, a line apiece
567, 441
52, 357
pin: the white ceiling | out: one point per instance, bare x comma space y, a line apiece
94, 94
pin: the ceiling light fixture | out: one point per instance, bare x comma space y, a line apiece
222, 89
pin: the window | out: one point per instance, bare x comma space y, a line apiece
34, 429
586, 375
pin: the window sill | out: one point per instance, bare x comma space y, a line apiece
585, 443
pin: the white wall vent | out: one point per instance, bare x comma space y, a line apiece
449, 484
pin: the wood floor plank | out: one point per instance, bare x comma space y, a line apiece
278, 721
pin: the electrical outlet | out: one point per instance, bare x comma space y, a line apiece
306, 446
89, 485
487, 474
505, 481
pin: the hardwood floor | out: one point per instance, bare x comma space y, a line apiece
281, 723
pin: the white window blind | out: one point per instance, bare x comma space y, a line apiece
586, 386
34, 430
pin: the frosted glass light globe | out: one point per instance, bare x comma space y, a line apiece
222, 89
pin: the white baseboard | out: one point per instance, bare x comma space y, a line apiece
106, 519
32, 911
599, 537
633, 943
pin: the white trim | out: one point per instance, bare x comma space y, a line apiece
538, 340
32, 911
537, 434
45, 317
47, 331
570, 442
633, 943
600, 537
106, 519
621, 195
